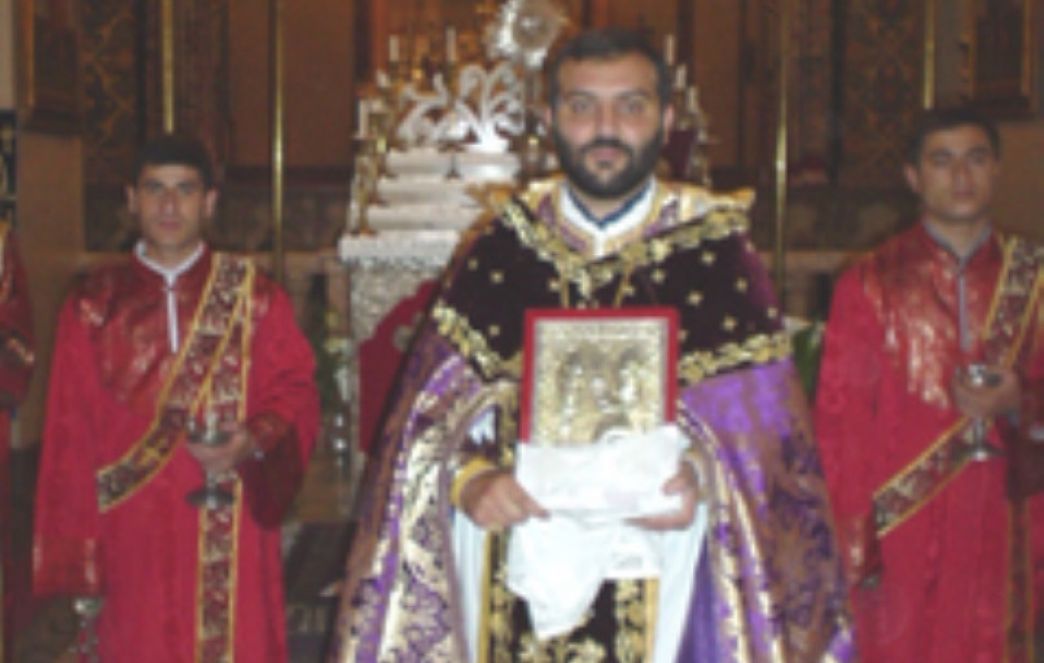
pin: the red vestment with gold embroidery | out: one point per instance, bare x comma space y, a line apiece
178, 583
939, 546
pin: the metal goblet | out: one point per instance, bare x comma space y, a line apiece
87, 609
210, 495
980, 376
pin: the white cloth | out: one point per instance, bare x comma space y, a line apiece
170, 276
602, 235
558, 564
619, 476
680, 553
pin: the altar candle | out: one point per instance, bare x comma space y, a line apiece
680, 76
364, 117
451, 44
668, 49
393, 49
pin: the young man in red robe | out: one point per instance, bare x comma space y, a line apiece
16, 366
175, 339
935, 477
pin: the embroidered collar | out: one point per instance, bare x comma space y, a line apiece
580, 211
169, 274
962, 260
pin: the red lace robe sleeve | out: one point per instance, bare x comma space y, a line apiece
283, 411
1024, 434
845, 412
65, 549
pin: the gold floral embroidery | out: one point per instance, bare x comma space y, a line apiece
718, 223
758, 349
467, 340
632, 614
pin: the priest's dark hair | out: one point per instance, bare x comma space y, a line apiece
606, 44
943, 119
173, 149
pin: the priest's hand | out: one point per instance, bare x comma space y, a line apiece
1000, 396
238, 445
494, 500
685, 483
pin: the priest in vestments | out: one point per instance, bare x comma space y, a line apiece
748, 566
936, 479
16, 366
155, 355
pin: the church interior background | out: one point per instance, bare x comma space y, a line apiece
311, 107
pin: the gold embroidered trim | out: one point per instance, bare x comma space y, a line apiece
717, 224
758, 349
486, 616
1017, 294
1019, 646
221, 307
916, 484
695, 366
471, 469
217, 574
218, 566
652, 613
471, 343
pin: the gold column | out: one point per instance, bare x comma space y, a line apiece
779, 266
928, 87
277, 104
167, 61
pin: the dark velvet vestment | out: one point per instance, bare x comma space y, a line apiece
178, 583
944, 552
769, 587
16, 366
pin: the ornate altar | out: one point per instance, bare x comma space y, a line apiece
430, 151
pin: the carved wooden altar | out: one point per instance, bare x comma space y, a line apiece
384, 269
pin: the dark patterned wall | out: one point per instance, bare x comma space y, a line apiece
8, 161
112, 127
882, 87
201, 86
855, 89
811, 103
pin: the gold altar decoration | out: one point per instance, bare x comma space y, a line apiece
524, 31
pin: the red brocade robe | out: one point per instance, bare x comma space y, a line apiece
16, 365
945, 554
179, 583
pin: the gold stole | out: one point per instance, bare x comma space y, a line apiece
209, 372
1014, 303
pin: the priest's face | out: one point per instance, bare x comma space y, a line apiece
171, 202
608, 126
955, 176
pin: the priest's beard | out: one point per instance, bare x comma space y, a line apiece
641, 162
